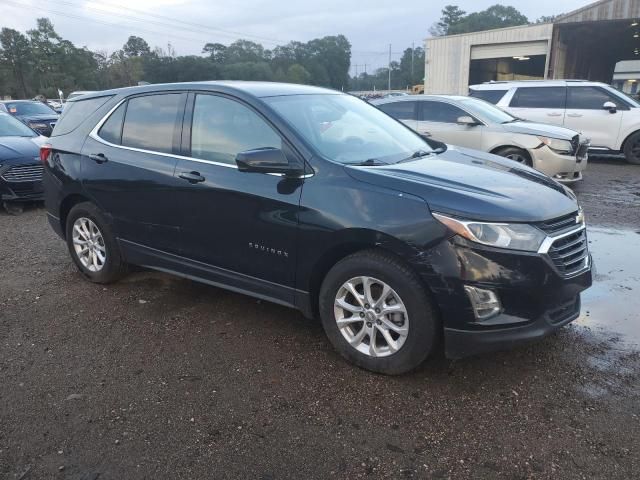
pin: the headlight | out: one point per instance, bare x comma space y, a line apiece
563, 147
38, 125
514, 236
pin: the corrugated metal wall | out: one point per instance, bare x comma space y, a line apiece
603, 10
447, 59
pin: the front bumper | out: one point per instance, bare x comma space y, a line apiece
536, 298
563, 168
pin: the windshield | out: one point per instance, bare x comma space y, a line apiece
29, 108
10, 127
348, 130
625, 97
486, 111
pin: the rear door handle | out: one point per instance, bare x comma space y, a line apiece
574, 115
554, 114
192, 177
98, 157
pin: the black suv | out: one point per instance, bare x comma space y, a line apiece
317, 200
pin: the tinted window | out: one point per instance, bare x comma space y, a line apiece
111, 130
30, 108
75, 113
441, 112
491, 96
150, 122
222, 128
400, 110
540, 97
591, 98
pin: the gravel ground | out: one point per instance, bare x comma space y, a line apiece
159, 377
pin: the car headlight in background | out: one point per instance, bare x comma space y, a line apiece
38, 125
514, 236
563, 147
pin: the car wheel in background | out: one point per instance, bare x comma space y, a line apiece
377, 314
632, 149
92, 244
516, 154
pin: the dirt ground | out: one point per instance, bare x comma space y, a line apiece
157, 377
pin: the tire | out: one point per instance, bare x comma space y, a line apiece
632, 149
419, 315
516, 154
108, 265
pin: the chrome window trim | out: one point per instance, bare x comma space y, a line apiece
94, 135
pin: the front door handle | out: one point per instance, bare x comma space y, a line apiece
425, 134
554, 114
192, 177
98, 157
574, 115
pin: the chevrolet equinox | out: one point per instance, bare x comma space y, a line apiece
316, 200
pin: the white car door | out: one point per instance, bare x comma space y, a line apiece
586, 114
439, 120
539, 104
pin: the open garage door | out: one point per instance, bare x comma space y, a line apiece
509, 50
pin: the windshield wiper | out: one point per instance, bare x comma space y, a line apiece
418, 154
370, 162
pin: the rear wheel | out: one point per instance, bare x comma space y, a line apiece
516, 154
92, 244
376, 313
632, 149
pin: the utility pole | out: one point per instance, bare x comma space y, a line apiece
356, 76
413, 47
389, 68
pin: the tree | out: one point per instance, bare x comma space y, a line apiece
497, 16
136, 47
451, 15
217, 52
296, 73
15, 53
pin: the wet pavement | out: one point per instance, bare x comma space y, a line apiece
159, 377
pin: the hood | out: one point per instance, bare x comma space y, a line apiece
42, 117
19, 147
540, 129
475, 185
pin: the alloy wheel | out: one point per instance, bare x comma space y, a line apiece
371, 316
518, 157
88, 244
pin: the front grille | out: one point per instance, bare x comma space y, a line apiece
570, 253
559, 224
565, 312
582, 152
575, 144
24, 173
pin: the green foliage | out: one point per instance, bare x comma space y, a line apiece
41, 61
403, 75
455, 21
451, 14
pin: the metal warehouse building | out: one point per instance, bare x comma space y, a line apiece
584, 44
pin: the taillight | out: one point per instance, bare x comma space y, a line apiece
45, 150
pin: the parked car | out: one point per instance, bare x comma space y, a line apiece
610, 118
20, 165
468, 122
37, 115
316, 200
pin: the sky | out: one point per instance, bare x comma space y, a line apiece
370, 26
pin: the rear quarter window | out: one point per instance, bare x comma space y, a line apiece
75, 113
491, 96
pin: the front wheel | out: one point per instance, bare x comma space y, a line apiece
376, 313
516, 154
92, 244
632, 149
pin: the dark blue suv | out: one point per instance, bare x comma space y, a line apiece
316, 200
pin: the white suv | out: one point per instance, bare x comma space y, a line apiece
607, 116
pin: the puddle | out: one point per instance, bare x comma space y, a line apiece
611, 307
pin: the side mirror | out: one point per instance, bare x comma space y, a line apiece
266, 160
612, 107
467, 121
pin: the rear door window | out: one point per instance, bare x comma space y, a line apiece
540, 97
441, 112
491, 96
591, 98
153, 122
75, 113
400, 110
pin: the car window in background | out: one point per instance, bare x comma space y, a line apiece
150, 122
441, 112
591, 98
111, 130
75, 113
222, 128
400, 110
29, 108
491, 96
485, 111
10, 127
539, 97
346, 129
